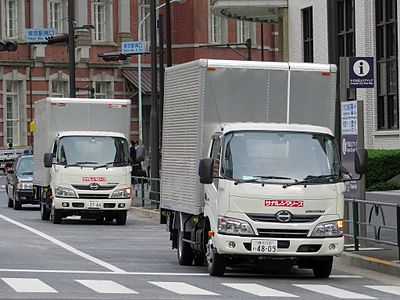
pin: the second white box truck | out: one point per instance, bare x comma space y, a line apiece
259, 135
81, 158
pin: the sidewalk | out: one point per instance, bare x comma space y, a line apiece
378, 257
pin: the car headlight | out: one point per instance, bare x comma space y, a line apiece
328, 229
24, 185
122, 193
62, 192
234, 226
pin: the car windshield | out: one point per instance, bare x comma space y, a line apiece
25, 166
279, 156
92, 151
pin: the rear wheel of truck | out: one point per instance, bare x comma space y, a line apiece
184, 251
44, 212
17, 204
121, 217
215, 263
56, 216
322, 267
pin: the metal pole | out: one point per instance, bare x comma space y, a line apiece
154, 125
161, 50
168, 33
71, 48
262, 41
355, 225
398, 228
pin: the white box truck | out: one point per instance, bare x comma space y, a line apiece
81, 158
259, 135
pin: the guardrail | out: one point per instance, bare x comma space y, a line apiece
146, 190
376, 209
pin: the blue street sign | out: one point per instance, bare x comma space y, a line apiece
132, 47
38, 35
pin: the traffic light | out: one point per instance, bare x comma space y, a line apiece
8, 46
58, 38
113, 56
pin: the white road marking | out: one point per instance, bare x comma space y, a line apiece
28, 285
102, 272
64, 245
182, 288
345, 276
106, 287
332, 291
395, 290
258, 290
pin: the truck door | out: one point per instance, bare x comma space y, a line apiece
211, 190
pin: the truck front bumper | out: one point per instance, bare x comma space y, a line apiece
80, 204
237, 245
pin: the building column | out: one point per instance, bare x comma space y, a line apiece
124, 20
37, 21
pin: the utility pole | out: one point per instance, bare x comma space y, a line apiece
71, 48
168, 35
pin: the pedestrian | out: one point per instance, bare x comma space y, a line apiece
136, 166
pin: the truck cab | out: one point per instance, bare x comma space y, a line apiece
89, 176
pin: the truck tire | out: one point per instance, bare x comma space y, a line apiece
17, 204
44, 212
322, 267
121, 217
10, 203
184, 251
56, 216
216, 263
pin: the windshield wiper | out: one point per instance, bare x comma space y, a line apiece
312, 179
106, 165
257, 178
80, 163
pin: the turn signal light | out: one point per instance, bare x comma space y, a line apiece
211, 233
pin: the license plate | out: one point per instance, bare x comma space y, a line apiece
264, 246
94, 205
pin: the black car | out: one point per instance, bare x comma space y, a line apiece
19, 184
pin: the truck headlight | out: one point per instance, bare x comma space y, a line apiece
328, 229
62, 192
234, 226
24, 185
122, 193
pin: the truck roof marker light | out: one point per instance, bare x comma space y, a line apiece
326, 73
211, 233
211, 69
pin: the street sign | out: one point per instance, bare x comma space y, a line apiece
132, 47
38, 35
361, 72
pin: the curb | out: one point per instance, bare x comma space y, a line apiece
374, 264
151, 214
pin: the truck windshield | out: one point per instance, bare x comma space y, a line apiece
92, 151
279, 156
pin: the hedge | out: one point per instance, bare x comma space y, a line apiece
383, 166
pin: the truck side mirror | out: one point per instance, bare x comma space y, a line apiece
206, 167
140, 153
48, 160
361, 161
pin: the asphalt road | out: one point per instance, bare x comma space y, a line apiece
85, 260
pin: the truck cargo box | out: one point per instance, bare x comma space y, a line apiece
204, 94
53, 115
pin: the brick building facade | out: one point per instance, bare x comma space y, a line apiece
37, 71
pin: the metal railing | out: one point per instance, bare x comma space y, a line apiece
146, 191
373, 228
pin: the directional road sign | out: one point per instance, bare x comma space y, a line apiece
133, 47
38, 35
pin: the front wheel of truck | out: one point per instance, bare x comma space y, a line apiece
322, 268
216, 262
121, 217
184, 251
56, 216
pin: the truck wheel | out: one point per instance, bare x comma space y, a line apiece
121, 217
44, 212
56, 216
109, 219
322, 268
10, 203
184, 251
215, 263
17, 204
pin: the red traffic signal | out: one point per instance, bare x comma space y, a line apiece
58, 38
8, 46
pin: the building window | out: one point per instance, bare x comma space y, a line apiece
102, 20
12, 112
59, 88
308, 44
103, 90
345, 28
144, 10
11, 18
57, 15
216, 29
386, 64
245, 30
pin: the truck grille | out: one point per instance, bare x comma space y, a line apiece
282, 233
86, 187
93, 196
295, 218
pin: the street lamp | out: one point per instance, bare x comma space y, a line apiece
140, 67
